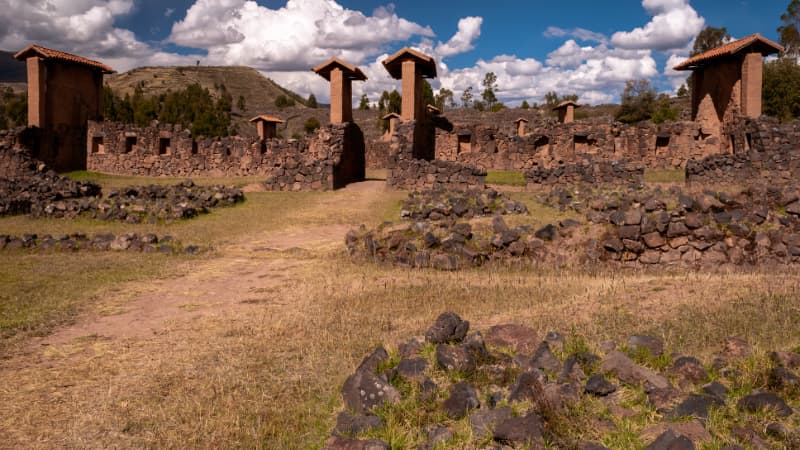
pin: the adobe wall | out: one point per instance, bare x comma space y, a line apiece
722, 83
408, 172
328, 160
602, 172
763, 149
549, 144
73, 96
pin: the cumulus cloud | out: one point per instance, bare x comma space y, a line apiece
674, 23
469, 29
292, 38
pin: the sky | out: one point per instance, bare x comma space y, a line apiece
584, 47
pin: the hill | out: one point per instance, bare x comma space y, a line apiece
11, 70
258, 91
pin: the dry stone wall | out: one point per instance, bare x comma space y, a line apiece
602, 172
763, 149
328, 160
547, 144
408, 172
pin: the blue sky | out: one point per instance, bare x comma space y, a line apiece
584, 47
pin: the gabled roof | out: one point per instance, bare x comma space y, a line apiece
758, 42
433, 110
521, 119
394, 64
58, 55
266, 118
350, 71
391, 116
565, 104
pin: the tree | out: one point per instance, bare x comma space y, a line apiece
283, 101
363, 105
427, 94
551, 98
240, 103
525, 105
444, 99
709, 38
790, 30
466, 97
638, 101
663, 110
312, 101
683, 91
489, 84
311, 125
781, 93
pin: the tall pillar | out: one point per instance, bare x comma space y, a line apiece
37, 91
341, 75
412, 108
752, 78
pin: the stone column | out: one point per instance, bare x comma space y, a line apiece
37, 92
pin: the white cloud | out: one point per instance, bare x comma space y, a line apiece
169, 12
469, 29
577, 33
674, 23
293, 38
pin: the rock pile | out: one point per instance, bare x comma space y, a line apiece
452, 245
599, 172
30, 193
440, 204
131, 242
511, 388
759, 225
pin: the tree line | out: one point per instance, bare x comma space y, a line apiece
13, 109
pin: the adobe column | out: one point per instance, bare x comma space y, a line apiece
37, 91
411, 67
341, 75
752, 78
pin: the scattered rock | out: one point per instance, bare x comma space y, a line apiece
761, 401
463, 398
448, 328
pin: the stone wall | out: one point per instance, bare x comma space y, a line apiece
548, 144
328, 160
408, 172
600, 172
763, 149
15, 157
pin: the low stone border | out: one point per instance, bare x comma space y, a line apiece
440, 204
514, 388
131, 242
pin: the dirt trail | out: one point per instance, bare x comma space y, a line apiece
137, 321
220, 286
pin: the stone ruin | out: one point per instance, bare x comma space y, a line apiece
424, 150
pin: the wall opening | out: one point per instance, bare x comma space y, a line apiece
464, 143
541, 144
662, 142
97, 145
263, 147
748, 142
130, 141
733, 143
227, 151
194, 147
163, 146
580, 143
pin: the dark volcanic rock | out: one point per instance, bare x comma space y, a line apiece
463, 398
764, 401
448, 328
516, 431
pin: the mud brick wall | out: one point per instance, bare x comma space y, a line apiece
408, 172
600, 172
547, 143
378, 153
763, 149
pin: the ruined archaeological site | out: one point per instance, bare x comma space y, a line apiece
415, 274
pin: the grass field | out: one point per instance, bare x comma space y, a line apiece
247, 345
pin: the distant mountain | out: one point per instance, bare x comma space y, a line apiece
259, 92
11, 70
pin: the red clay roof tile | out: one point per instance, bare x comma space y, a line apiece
49, 53
731, 48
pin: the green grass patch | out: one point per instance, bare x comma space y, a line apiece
506, 178
665, 176
108, 181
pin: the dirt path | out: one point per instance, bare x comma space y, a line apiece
139, 323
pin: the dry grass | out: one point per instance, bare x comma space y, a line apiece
265, 369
